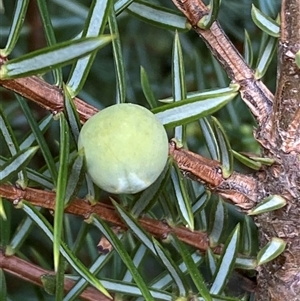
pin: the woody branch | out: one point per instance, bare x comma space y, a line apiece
285, 118
254, 93
34, 274
80, 207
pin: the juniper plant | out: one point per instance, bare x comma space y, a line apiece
221, 222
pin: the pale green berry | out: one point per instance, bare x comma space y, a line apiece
126, 148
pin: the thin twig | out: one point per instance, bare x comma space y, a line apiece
80, 207
33, 273
45, 95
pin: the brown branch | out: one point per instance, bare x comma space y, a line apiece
254, 93
46, 199
238, 188
33, 273
45, 95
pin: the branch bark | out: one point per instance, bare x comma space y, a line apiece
280, 280
33, 273
80, 207
254, 93
285, 117
240, 189
45, 95
278, 132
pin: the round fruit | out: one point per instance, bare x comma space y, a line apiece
126, 148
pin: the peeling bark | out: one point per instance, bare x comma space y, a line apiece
280, 279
